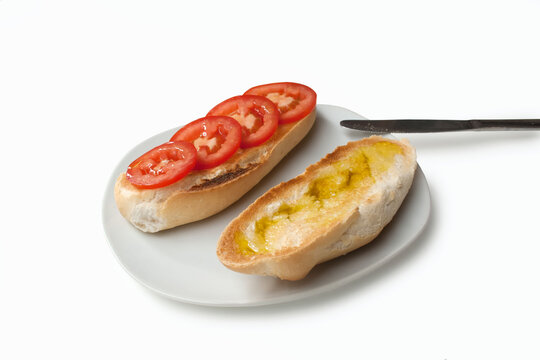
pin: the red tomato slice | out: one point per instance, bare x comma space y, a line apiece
294, 101
163, 165
258, 116
216, 139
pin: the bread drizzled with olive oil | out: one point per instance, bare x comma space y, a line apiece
337, 205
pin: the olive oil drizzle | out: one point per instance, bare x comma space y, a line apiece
325, 195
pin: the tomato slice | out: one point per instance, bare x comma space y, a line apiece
216, 139
294, 101
163, 165
258, 116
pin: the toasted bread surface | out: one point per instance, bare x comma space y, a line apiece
206, 192
337, 205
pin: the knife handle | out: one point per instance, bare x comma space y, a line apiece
506, 124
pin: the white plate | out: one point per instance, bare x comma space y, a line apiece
181, 263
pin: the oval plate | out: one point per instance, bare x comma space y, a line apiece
181, 263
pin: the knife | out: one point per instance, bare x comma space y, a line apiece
431, 125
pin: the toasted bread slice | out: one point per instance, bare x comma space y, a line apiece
337, 205
206, 192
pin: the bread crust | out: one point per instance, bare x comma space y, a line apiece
207, 192
363, 219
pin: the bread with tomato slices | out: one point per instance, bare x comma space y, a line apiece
336, 206
206, 191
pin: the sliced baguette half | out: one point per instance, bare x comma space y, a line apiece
337, 205
206, 192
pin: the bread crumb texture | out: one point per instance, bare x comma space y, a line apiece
333, 191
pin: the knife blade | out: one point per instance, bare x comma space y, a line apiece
437, 125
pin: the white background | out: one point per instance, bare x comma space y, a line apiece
81, 82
